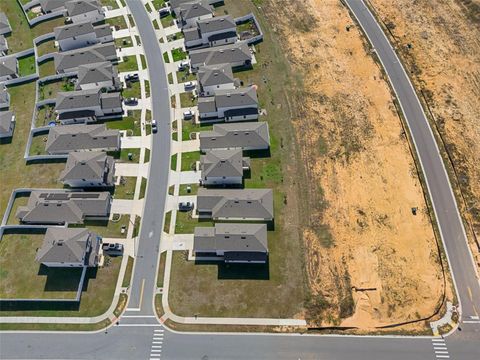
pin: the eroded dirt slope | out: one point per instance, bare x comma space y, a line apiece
440, 41
370, 261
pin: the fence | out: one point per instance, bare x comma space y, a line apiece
251, 16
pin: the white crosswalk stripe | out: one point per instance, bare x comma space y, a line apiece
157, 343
440, 349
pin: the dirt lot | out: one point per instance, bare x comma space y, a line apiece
370, 261
444, 55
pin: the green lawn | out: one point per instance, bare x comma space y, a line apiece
133, 90
185, 75
44, 115
131, 123
18, 201
187, 100
170, 78
111, 3
186, 223
125, 42
166, 224
189, 127
111, 228
126, 188
118, 22
122, 155
37, 146
173, 162
129, 63
167, 20
166, 59
26, 65
158, 4
49, 90
143, 188
144, 61
161, 269
155, 25
147, 156
46, 47
131, 21
147, 88
177, 36
178, 54
22, 277
46, 68
189, 159
183, 189
128, 272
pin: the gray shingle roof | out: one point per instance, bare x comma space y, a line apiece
227, 54
218, 23
103, 30
78, 7
236, 203
3, 43
243, 135
67, 245
96, 73
8, 65
191, 34
206, 105
4, 95
88, 55
63, 139
218, 163
231, 237
59, 207
4, 24
71, 100
195, 9
111, 100
215, 75
72, 30
5, 121
90, 165
49, 5
246, 97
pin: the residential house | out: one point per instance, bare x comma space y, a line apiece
245, 136
7, 124
8, 68
84, 10
216, 31
49, 6
102, 75
3, 46
65, 139
4, 97
237, 55
70, 247
5, 27
231, 105
69, 61
188, 13
223, 167
79, 35
88, 169
215, 77
235, 204
64, 207
232, 243
86, 106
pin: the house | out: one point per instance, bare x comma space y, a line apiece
64, 207
7, 124
65, 139
231, 105
79, 35
102, 75
88, 169
188, 13
235, 204
70, 247
69, 61
5, 27
3, 46
85, 106
245, 136
232, 243
236, 55
223, 167
215, 77
52, 5
4, 97
216, 31
85, 10
8, 68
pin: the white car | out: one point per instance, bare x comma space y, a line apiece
184, 64
189, 85
154, 126
188, 114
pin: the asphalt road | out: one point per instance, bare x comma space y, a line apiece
143, 283
129, 341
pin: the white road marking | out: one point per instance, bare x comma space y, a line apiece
443, 356
439, 348
438, 340
138, 316
441, 352
151, 325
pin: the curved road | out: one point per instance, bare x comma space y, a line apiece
133, 338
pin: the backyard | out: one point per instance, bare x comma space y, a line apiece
49, 90
26, 65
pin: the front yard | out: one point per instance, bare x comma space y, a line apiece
186, 223
129, 63
187, 99
131, 123
118, 22
189, 159
126, 188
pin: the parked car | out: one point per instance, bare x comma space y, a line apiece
112, 249
131, 101
132, 77
189, 85
154, 126
185, 206
165, 11
187, 115
184, 64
